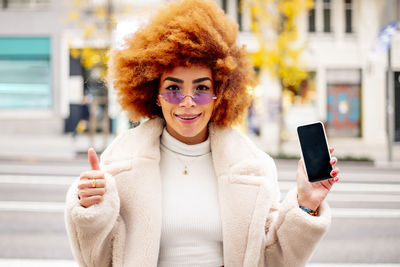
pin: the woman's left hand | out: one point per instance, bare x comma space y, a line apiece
311, 195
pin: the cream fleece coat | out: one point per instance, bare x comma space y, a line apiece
125, 229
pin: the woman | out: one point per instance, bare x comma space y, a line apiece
184, 188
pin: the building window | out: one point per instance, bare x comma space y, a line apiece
398, 9
311, 20
327, 15
320, 17
25, 77
395, 8
225, 6
236, 9
348, 9
240, 14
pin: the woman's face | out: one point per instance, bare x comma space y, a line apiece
187, 120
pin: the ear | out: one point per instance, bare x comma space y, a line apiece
158, 102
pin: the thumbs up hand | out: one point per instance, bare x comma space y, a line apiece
92, 184
93, 160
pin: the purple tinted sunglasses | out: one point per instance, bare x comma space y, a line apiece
177, 97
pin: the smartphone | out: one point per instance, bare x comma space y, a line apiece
315, 151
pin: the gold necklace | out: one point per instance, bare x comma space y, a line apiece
185, 164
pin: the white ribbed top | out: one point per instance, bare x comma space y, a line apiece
191, 233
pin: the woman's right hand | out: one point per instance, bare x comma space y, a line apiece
92, 184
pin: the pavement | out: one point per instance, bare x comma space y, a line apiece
360, 200
49, 147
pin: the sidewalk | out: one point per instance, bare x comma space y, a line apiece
48, 147
33, 148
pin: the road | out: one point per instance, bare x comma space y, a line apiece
366, 215
365, 207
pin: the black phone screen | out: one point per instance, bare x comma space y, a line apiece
315, 151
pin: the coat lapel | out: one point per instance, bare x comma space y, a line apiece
135, 165
243, 194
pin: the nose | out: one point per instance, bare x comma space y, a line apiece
187, 102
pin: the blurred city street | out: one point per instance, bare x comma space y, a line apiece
333, 61
365, 206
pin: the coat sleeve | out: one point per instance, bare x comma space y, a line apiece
292, 234
90, 229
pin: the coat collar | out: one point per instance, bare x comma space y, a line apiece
144, 141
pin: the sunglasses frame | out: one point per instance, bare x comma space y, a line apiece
184, 96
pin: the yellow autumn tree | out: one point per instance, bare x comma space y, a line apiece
274, 23
92, 23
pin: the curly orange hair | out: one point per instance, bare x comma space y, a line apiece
183, 33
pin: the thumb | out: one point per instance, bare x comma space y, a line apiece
93, 160
301, 173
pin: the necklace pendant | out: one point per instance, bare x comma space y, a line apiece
185, 171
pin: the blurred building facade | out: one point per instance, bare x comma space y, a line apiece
345, 88
32, 67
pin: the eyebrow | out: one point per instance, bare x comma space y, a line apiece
173, 79
199, 80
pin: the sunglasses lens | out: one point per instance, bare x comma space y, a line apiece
202, 98
172, 97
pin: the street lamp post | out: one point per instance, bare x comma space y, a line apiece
390, 17
390, 106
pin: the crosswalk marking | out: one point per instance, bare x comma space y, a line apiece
35, 179
352, 187
71, 263
353, 265
365, 213
369, 198
382, 177
342, 192
284, 185
24, 206
37, 263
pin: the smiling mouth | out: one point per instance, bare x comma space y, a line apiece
186, 117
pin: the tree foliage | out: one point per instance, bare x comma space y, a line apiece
93, 22
274, 22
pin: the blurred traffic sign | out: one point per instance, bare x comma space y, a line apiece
384, 38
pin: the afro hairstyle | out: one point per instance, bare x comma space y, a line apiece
183, 33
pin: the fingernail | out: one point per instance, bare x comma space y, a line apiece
336, 179
333, 161
333, 173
